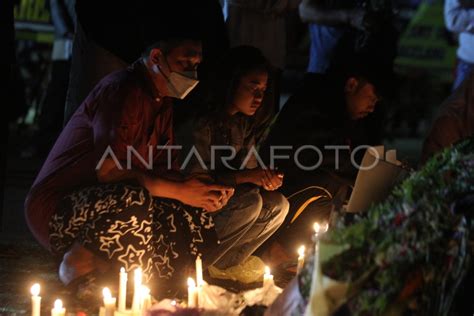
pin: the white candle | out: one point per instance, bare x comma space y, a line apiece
58, 309
317, 305
199, 278
122, 290
136, 290
318, 231
109, 302
267, 278
145, 299
35, 300
300, 265
192, 293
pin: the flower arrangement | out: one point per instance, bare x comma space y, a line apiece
415, 248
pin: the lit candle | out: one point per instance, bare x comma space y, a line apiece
267, 278
320, 229
145, 299
136, 290
199, 278
122, 290
109, 302
301, 250
192, 293
58, 309
35, 300
316, 228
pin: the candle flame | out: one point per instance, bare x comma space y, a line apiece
106, 293
324, 227
145, 291
35, 289
267, 270
173, 302
301, 250
320, 228
191, 282
58, 304
122, 270
316, 227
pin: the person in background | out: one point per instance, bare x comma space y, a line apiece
455, 120
328, 110
459, 18
52, 111
340, 30
327, 24
237, 90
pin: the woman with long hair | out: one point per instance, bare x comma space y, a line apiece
224, 151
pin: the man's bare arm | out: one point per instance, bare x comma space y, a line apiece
192, 191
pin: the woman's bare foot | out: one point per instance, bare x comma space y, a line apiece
79, 261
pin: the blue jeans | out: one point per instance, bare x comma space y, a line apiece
250, 217
463, 69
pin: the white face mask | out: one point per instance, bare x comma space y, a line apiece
179, 84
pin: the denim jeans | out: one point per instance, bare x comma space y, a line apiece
463, 69
250, 217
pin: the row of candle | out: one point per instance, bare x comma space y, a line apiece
141, 296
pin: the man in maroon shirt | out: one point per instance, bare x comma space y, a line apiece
106, 196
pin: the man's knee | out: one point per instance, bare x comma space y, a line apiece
239, 216
277, 204
251, 206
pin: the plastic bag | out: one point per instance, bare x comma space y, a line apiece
249, 271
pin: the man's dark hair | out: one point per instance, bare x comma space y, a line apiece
368, 70
166, 45
166, 24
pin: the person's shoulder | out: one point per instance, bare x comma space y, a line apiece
118, 92
119, 81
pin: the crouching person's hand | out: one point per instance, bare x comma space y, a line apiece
271, 179
268, 179
211, 197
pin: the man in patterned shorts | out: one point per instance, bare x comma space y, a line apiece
108, 196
